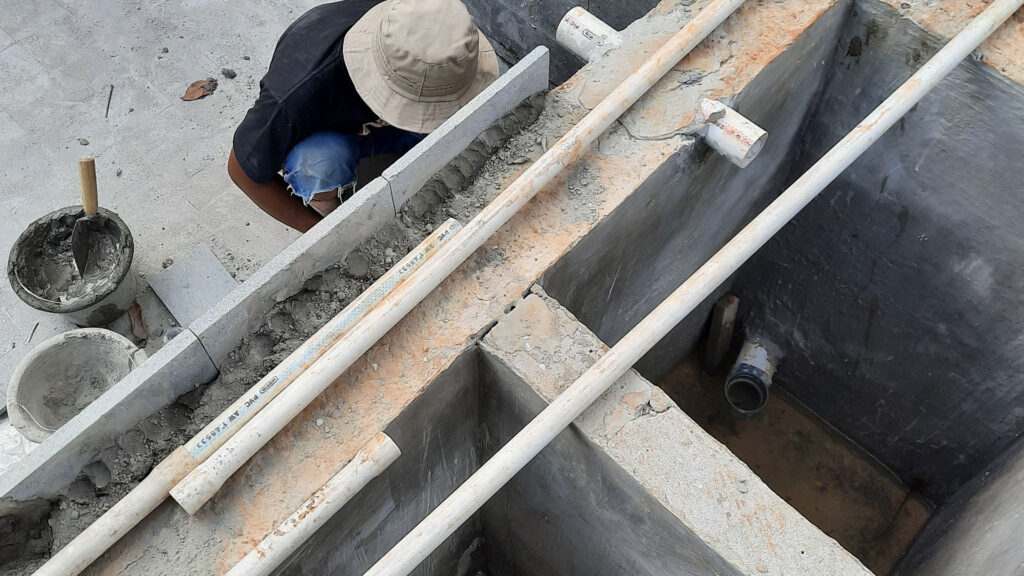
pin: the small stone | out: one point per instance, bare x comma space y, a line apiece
742, 487
245, 58
130, 110
319, 422
313, 284
83, 141
166, 263
228, 73
164, 50
905, 5
118, 173
357, 265
762, 567
690, 77
660, 402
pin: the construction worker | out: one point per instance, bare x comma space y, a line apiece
349, 80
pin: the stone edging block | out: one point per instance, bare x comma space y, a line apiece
412, 170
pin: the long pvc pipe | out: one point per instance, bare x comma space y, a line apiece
368, 463
203, 482
469, 497
144, 498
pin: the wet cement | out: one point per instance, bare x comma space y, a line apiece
45, 266
459, 190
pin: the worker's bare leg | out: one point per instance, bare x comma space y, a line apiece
273, 198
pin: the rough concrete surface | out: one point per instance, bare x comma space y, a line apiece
441, 447
572, 509
1003, 50
710, 491
223, 326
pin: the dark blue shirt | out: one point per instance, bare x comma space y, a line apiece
306, 90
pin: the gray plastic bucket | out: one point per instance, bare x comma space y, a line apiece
40, 263
63, 374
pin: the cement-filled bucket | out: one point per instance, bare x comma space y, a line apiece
63, 374
42, 270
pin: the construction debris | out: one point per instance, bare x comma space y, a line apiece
200, 89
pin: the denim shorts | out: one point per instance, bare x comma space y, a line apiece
327, 160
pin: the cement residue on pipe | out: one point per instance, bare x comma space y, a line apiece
42, 268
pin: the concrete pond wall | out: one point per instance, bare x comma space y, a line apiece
603, 498
553, 519
691, 207
896, 295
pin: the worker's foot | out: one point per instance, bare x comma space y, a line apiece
325, 202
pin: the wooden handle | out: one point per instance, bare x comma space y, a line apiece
87, 178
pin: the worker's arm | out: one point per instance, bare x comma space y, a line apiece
273, 198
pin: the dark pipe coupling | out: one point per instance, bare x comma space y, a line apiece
746, 388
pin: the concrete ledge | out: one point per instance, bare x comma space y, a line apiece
411, 171
222, 327
173, 370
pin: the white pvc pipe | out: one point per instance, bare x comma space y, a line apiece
203, 482
731, 134
85, 548
585, 35
469, 497
367, 464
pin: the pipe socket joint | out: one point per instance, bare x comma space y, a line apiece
586, 35
730, 133
746, 389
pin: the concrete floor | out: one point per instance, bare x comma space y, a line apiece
831, 481
58, 60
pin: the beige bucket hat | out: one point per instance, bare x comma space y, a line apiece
416, 62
